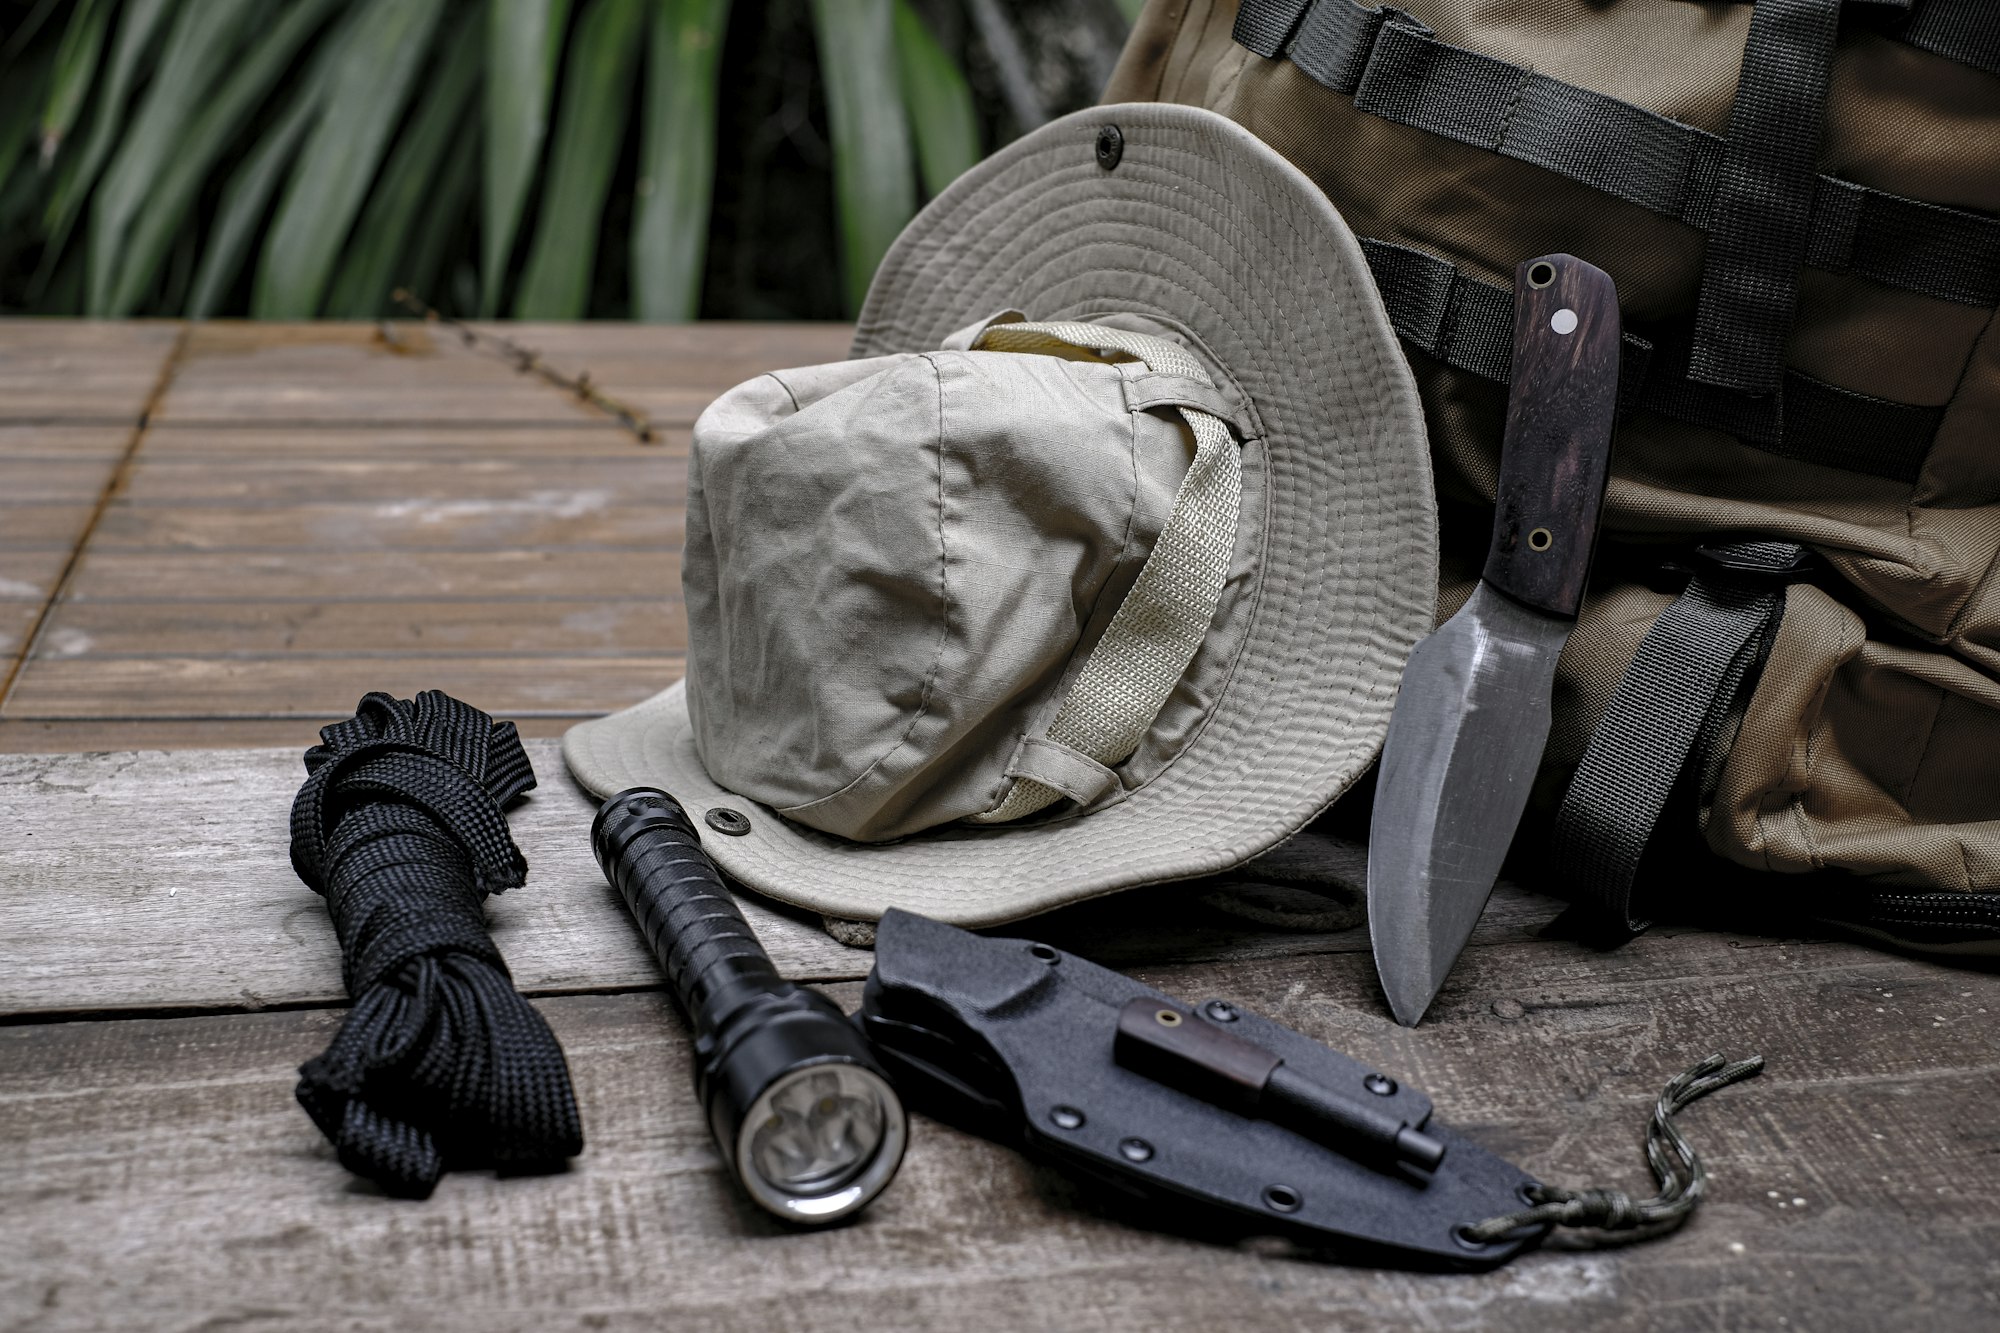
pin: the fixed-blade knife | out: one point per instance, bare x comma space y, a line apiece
1472, 715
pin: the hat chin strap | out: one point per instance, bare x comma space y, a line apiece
1154, 634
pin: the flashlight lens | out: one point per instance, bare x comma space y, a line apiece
821, 1141
818, 1132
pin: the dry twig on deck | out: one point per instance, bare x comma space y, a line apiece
529, 362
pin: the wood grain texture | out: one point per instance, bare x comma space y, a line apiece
164, 1176
30, 576
638, 475
204, 911
241, 442
80, 370
307, 687
378, 577
1562, 405
633, 626
247, 374
182, 860
47, 736
58, 440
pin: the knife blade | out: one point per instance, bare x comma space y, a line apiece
1472, 717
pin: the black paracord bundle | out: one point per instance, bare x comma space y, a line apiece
441, 1063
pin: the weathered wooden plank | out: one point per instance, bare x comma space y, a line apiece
30, 576
161, 1171
183, 862
639, 476
236, 441
282, 373
90, 735
57, 441
378, 576
48, 524
203, 909
628, 627
42, 480
17, 622
197, 687
553, 517
348, 372
80, 369
673, 372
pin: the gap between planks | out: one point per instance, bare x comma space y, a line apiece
119, 473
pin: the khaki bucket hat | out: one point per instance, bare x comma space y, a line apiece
1109, 588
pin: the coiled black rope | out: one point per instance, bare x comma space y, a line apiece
1617, 1216
441, 1063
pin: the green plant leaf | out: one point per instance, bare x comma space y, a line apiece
442, 230
77, 58
139, 23
377, 258
246, 199
939, 102
199, 47
22, 94
677, 158
874, 178
523, 41
1131, 9
590, 131
384, 47
217, 128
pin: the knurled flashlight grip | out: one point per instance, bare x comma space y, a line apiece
650, 852
799, 1105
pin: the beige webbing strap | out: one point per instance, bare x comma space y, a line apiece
1165, 616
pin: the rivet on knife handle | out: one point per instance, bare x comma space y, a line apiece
1560, 409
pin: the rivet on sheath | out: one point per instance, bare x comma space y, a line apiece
1110, 147
724, 820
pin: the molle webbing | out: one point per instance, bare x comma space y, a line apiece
1469, 324
1672, 706
1761, 220
1396, 70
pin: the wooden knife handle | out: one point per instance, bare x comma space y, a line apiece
1557, 449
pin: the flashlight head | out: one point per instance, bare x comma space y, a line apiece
809, 1122
821, 1141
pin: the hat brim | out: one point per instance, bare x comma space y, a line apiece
1201, 225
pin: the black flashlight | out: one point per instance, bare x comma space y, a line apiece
804, 1115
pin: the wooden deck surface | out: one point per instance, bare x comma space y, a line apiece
214, 538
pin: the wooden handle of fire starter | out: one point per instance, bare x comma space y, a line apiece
1557, 450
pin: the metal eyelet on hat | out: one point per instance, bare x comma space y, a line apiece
724, 820
1110, 147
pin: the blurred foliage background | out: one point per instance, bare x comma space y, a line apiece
541, 159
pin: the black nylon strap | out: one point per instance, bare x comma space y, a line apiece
1397, 70
440, 1062
1672, 705
1468, 323
1967, 31
1758, 232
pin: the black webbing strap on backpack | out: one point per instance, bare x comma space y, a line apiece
1675, 704
1762, 216
1395, 69
1469, 324
1967, 31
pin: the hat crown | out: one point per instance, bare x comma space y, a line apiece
895, 565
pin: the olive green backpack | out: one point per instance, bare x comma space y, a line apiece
1790, 656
